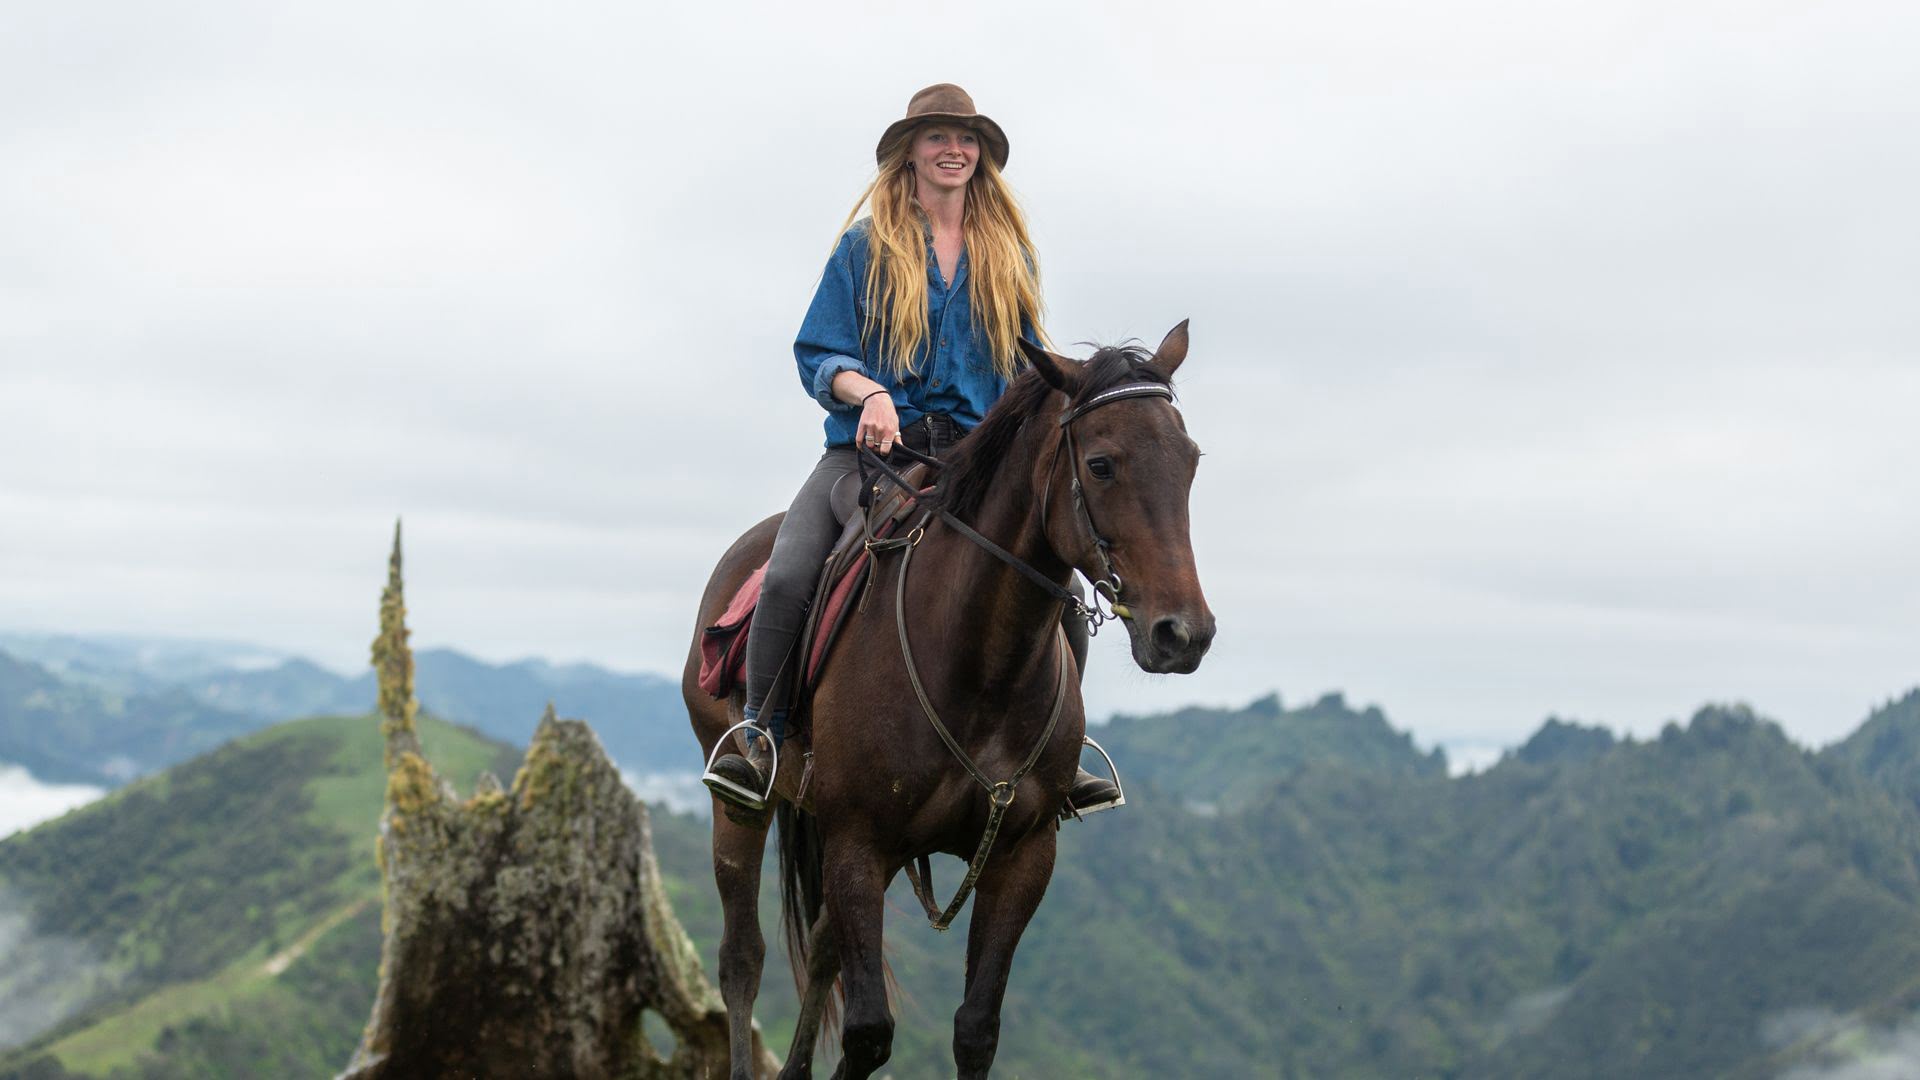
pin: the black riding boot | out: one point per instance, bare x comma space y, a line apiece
1091, 794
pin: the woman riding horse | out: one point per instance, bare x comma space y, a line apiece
955, 725
913, 333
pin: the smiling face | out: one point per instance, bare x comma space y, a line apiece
944, 156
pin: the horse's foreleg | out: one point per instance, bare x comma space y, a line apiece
737, 850
823, 967
1008, 894
856, 891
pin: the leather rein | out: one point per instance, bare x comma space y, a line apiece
1000, 794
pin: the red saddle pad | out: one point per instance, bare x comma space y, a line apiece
723, 647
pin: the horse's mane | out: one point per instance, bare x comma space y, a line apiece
969, 469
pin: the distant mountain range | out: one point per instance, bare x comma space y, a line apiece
104, 709
1289, 893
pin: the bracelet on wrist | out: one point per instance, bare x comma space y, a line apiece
871, 395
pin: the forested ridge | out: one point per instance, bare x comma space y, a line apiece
1291, 892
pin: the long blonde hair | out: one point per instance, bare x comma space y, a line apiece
1004, 272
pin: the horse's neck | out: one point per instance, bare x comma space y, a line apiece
1002, 625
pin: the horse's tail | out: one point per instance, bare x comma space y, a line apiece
801, 897
800, 880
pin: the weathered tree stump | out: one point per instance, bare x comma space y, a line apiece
526, 931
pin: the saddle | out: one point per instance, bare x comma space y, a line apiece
843, 578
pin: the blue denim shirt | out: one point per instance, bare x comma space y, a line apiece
955, 370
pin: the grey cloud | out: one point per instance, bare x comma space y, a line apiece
1546, 360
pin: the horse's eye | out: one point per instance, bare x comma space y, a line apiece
1101, 468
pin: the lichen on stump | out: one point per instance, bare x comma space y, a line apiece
526, 930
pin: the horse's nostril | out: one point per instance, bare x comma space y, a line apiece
1170, 634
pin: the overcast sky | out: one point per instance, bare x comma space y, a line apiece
1549, 358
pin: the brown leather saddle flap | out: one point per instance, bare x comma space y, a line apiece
850, 565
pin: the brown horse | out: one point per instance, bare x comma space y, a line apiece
1079, 466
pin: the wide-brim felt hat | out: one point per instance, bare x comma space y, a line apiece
946, 103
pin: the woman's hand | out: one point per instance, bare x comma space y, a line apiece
879, 423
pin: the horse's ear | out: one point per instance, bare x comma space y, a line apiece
1172, 350
1058, 371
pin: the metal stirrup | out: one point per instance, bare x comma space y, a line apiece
720, 744
1119, 799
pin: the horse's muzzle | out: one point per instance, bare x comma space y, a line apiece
1173, 644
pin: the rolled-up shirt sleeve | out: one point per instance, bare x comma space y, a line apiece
829, 338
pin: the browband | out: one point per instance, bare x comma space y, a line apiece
1106, 397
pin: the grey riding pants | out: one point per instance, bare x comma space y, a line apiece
805, 538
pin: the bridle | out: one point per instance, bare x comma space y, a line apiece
1106, 587
1000, 795
1109, 584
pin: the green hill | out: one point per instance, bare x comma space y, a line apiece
1227, 758
1604, 909
1593, 907
220, 916
1558, 740
1886, 749
1640, 909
